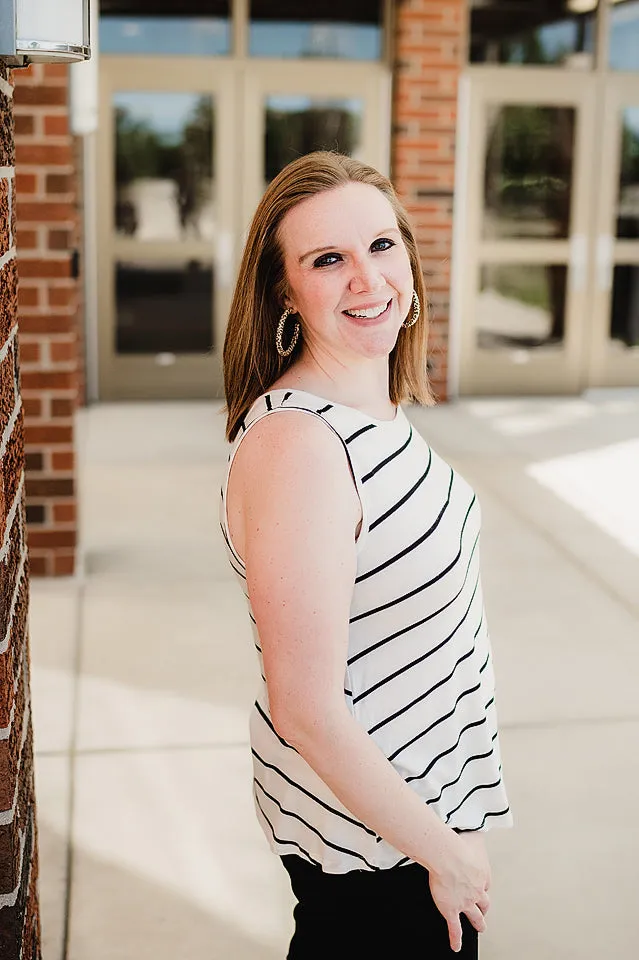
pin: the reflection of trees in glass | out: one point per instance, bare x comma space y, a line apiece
291, 134
528, 169
143, 152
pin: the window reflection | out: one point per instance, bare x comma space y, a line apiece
544, 32
299, 125
521, 305
628, 209
624, 320
349, 30
171, 27
164, 165
527, 183
164, 307
624, 35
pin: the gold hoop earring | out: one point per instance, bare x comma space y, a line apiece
414, 317
280, 332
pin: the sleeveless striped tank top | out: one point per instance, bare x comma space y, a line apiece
419, 675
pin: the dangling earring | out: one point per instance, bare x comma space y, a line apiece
414, 317
280, 331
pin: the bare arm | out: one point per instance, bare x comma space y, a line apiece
300, 511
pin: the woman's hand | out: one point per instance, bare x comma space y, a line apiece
462, 886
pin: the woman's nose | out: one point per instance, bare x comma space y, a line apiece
366, 278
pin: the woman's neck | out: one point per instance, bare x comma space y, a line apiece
365, 389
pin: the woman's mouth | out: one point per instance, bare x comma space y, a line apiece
369, 315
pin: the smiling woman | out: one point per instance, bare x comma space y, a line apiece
374, 734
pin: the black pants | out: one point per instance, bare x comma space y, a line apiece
387, 914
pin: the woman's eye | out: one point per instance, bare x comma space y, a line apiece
382, 244
326, 260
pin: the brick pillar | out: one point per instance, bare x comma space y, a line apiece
430, 46
19, 918
48, 305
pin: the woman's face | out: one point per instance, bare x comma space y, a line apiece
348, 272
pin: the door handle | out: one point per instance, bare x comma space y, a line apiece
604, 256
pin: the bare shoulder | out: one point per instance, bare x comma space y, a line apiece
289, 465
291, 444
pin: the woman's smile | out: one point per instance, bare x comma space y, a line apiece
369, 316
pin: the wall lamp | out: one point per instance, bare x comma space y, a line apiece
45, 31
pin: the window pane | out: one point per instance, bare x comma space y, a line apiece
299, 125
628, 210
521, 305
351, 30
170, 27
624, 321
528, 171
624, 35
164, 165
545, 32
164, 307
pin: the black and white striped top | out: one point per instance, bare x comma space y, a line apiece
419, 675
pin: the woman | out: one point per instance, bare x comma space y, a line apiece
374, 735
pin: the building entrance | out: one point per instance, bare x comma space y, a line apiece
548, 226
187, 146
199, 109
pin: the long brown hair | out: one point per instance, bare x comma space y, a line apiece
250, 358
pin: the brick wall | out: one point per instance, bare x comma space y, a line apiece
430, 41
19, 918
48, 308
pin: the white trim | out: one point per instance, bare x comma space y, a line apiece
8, 430
460, 205
9, 899
4, 350
90, 292
4, 646
7, 173
8, 256
4, 550
6, 88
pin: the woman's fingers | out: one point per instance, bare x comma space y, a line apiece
483, 903
476, 917
454, 932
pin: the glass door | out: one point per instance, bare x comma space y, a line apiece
294, 108
166, 210
523, 221
614, 348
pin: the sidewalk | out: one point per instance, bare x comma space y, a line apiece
143, 672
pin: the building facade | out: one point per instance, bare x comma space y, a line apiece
509, 127
19, 915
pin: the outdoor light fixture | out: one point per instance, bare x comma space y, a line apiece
44, 30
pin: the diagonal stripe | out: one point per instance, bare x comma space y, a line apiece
424, 656
479, 786
309, 826
367, 476
440, 720
406, 497
291, 843
358, 433
311, 796
408, 596
269, 724
416, 543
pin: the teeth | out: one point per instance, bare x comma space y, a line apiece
370, 314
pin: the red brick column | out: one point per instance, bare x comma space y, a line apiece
47, 237
430, 45
19, 918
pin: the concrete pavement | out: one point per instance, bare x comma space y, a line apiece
143, 674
